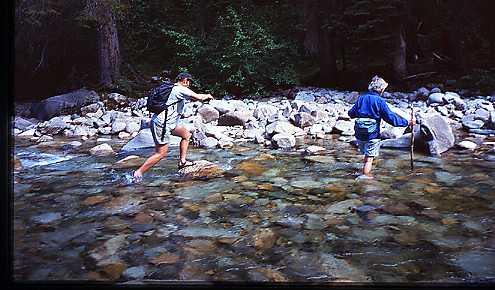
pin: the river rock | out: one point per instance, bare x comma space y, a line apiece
206, 232
21, 123
436, 98
66, 103
304, 119
53, 126
264, 239
402, 142
283, 127
341, 269
134, 273
92, 108
208, 113
144, 139
77, 131
265, 111
487, 132
314, 149
478, 263
132, 127
47, 218
343, 207
344, 127
482, 114
118, 125
102, 150
108, 249
237, 118
392, 133
27, 133
466, 144
468, 122
201, 169
222, 106
436, 134
283, 141
455, 99
423, 93
208, 142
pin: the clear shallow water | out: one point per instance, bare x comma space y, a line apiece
273, 216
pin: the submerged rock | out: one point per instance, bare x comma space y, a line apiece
264, 239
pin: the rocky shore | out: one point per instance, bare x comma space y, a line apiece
277, 121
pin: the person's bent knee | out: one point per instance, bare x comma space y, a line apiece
187, 136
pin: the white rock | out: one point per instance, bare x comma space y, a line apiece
344, 127
27, 133
466, 144
284, 141
118, 126
102, 150
314, 149
124, 135
209, 142
132, 127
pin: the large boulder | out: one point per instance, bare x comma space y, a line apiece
144, 139
53, 126
22, 124
201, 169
283, 127
208, 113
283, 141
436, 134
304, 119
436, 98
64, 104
265, 111
235, 118
344, 127
222, 106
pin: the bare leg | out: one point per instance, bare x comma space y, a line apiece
368, 163
160, 152
181, 131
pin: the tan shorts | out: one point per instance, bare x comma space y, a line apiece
157, 131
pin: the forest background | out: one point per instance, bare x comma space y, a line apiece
251, 47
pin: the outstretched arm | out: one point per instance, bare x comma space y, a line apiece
391, 117
200, 97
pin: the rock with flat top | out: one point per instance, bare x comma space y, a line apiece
201, 169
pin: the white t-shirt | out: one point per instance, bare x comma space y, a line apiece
178, 96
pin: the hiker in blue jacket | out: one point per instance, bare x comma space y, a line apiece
369, 109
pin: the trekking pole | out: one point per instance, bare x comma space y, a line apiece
412, 137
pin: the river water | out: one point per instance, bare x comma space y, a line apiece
273, 216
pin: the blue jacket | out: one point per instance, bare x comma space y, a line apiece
371, 105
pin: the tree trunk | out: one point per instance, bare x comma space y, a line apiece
312, 26
399, 56
109, 51
203, 17
327, 60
